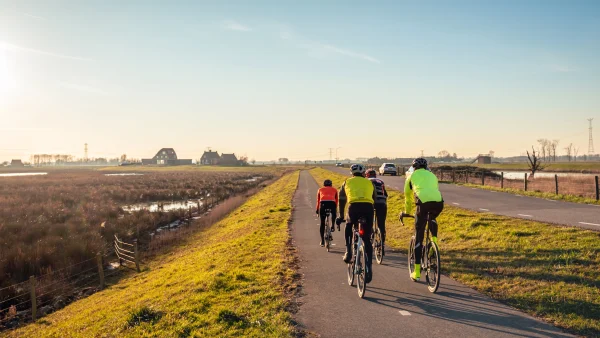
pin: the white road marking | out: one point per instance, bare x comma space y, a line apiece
493, 191
524, 215
589, 223
404, 313
456, 203
550, 200
482, 209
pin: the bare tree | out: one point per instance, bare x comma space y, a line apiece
535, 163
123, 158
491, 152
543, 147
444, 154
575, 151
553, 146
569, 151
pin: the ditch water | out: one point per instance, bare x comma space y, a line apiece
166, 206
124, 174
21, 174
513, 175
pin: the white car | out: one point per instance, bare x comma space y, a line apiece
388, 168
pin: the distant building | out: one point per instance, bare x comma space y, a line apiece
484, 159
210, 158
228, 159
16, 163
166, 156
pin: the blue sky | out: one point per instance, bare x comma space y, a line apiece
274, 79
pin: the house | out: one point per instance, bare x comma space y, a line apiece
484, 159
16, 163
166, 156
228, 159
210, 158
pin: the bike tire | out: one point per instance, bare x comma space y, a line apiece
433, 273
361, 265
378, 247
411, 256
327, 234
351, 266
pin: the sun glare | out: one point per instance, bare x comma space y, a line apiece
7, 79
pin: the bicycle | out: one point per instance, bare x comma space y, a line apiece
430, 257
357, 265
327, 236
377, 242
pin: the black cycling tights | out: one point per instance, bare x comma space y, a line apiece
433, 210
355, 211
324, 206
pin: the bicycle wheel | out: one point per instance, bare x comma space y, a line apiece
411, 256
351, 267
378, 246
361, 273
327, 233
432, 274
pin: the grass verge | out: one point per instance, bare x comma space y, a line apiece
229, 280
585, 166
546, 195
549, 271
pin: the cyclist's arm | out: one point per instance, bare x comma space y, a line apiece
318, 199
408, 197
342, 199
384, 191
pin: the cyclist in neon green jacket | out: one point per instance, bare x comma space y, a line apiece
421, 188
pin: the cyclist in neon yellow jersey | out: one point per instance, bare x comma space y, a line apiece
421, 188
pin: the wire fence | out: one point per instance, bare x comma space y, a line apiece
586, 186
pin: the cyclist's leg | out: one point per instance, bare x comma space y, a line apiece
352, 217
420, 221
368, 213
381, 212
434, 211
323, 216
333, 214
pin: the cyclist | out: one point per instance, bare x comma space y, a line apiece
359, 193
380, 204
421, 186
327, 198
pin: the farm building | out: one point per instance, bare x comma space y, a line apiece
484, 159
228, 159
166, 156
210, 158
16, 163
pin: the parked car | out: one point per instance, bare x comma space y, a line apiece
339, 165
389, 169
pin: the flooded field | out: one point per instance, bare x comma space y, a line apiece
22, 174
163, 206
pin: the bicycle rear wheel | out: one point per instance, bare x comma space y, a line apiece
351, 266
411, 256
432, 274
328, 233
361, 266
378, 246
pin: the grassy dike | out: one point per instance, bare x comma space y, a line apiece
232, 279
549, 271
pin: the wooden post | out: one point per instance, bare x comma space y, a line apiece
100, 270
483, 178
525, 182
466, 176
33, 298
453, 175
137, 255
190, 211
556, 182
597, 190
502, 180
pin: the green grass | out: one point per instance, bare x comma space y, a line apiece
231, 279
559, 166
546, 195
549, 271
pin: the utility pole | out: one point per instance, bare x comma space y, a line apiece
336, 155
422, 154
85, 152
591, 142
330, 153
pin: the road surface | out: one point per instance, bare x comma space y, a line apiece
539, 209
393, 305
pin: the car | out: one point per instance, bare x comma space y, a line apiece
388, 168
339, 165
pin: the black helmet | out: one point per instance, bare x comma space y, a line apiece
327, 183
419, 163
371, 173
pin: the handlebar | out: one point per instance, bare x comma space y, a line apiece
402, 215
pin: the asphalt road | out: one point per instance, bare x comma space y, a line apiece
558, 212
393, 306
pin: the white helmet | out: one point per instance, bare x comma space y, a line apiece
357, 169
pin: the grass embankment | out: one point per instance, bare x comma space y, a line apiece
592, 167
229, 280
539, 194
549, 271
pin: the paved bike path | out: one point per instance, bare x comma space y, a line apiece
539, 209
393, 305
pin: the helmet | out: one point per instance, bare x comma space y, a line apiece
371, 173
419, 163
327, 183
357, 169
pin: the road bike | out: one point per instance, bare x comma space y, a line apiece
328, 223
376, 239
357, 266
430, 257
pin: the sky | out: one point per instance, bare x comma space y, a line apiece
271, 79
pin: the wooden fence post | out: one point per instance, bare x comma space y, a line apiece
137, 255
556, 182
466, 176
100, 270
453, 175
116, 246
502, 180
483, 178
525, 182
33, 298
597, 190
